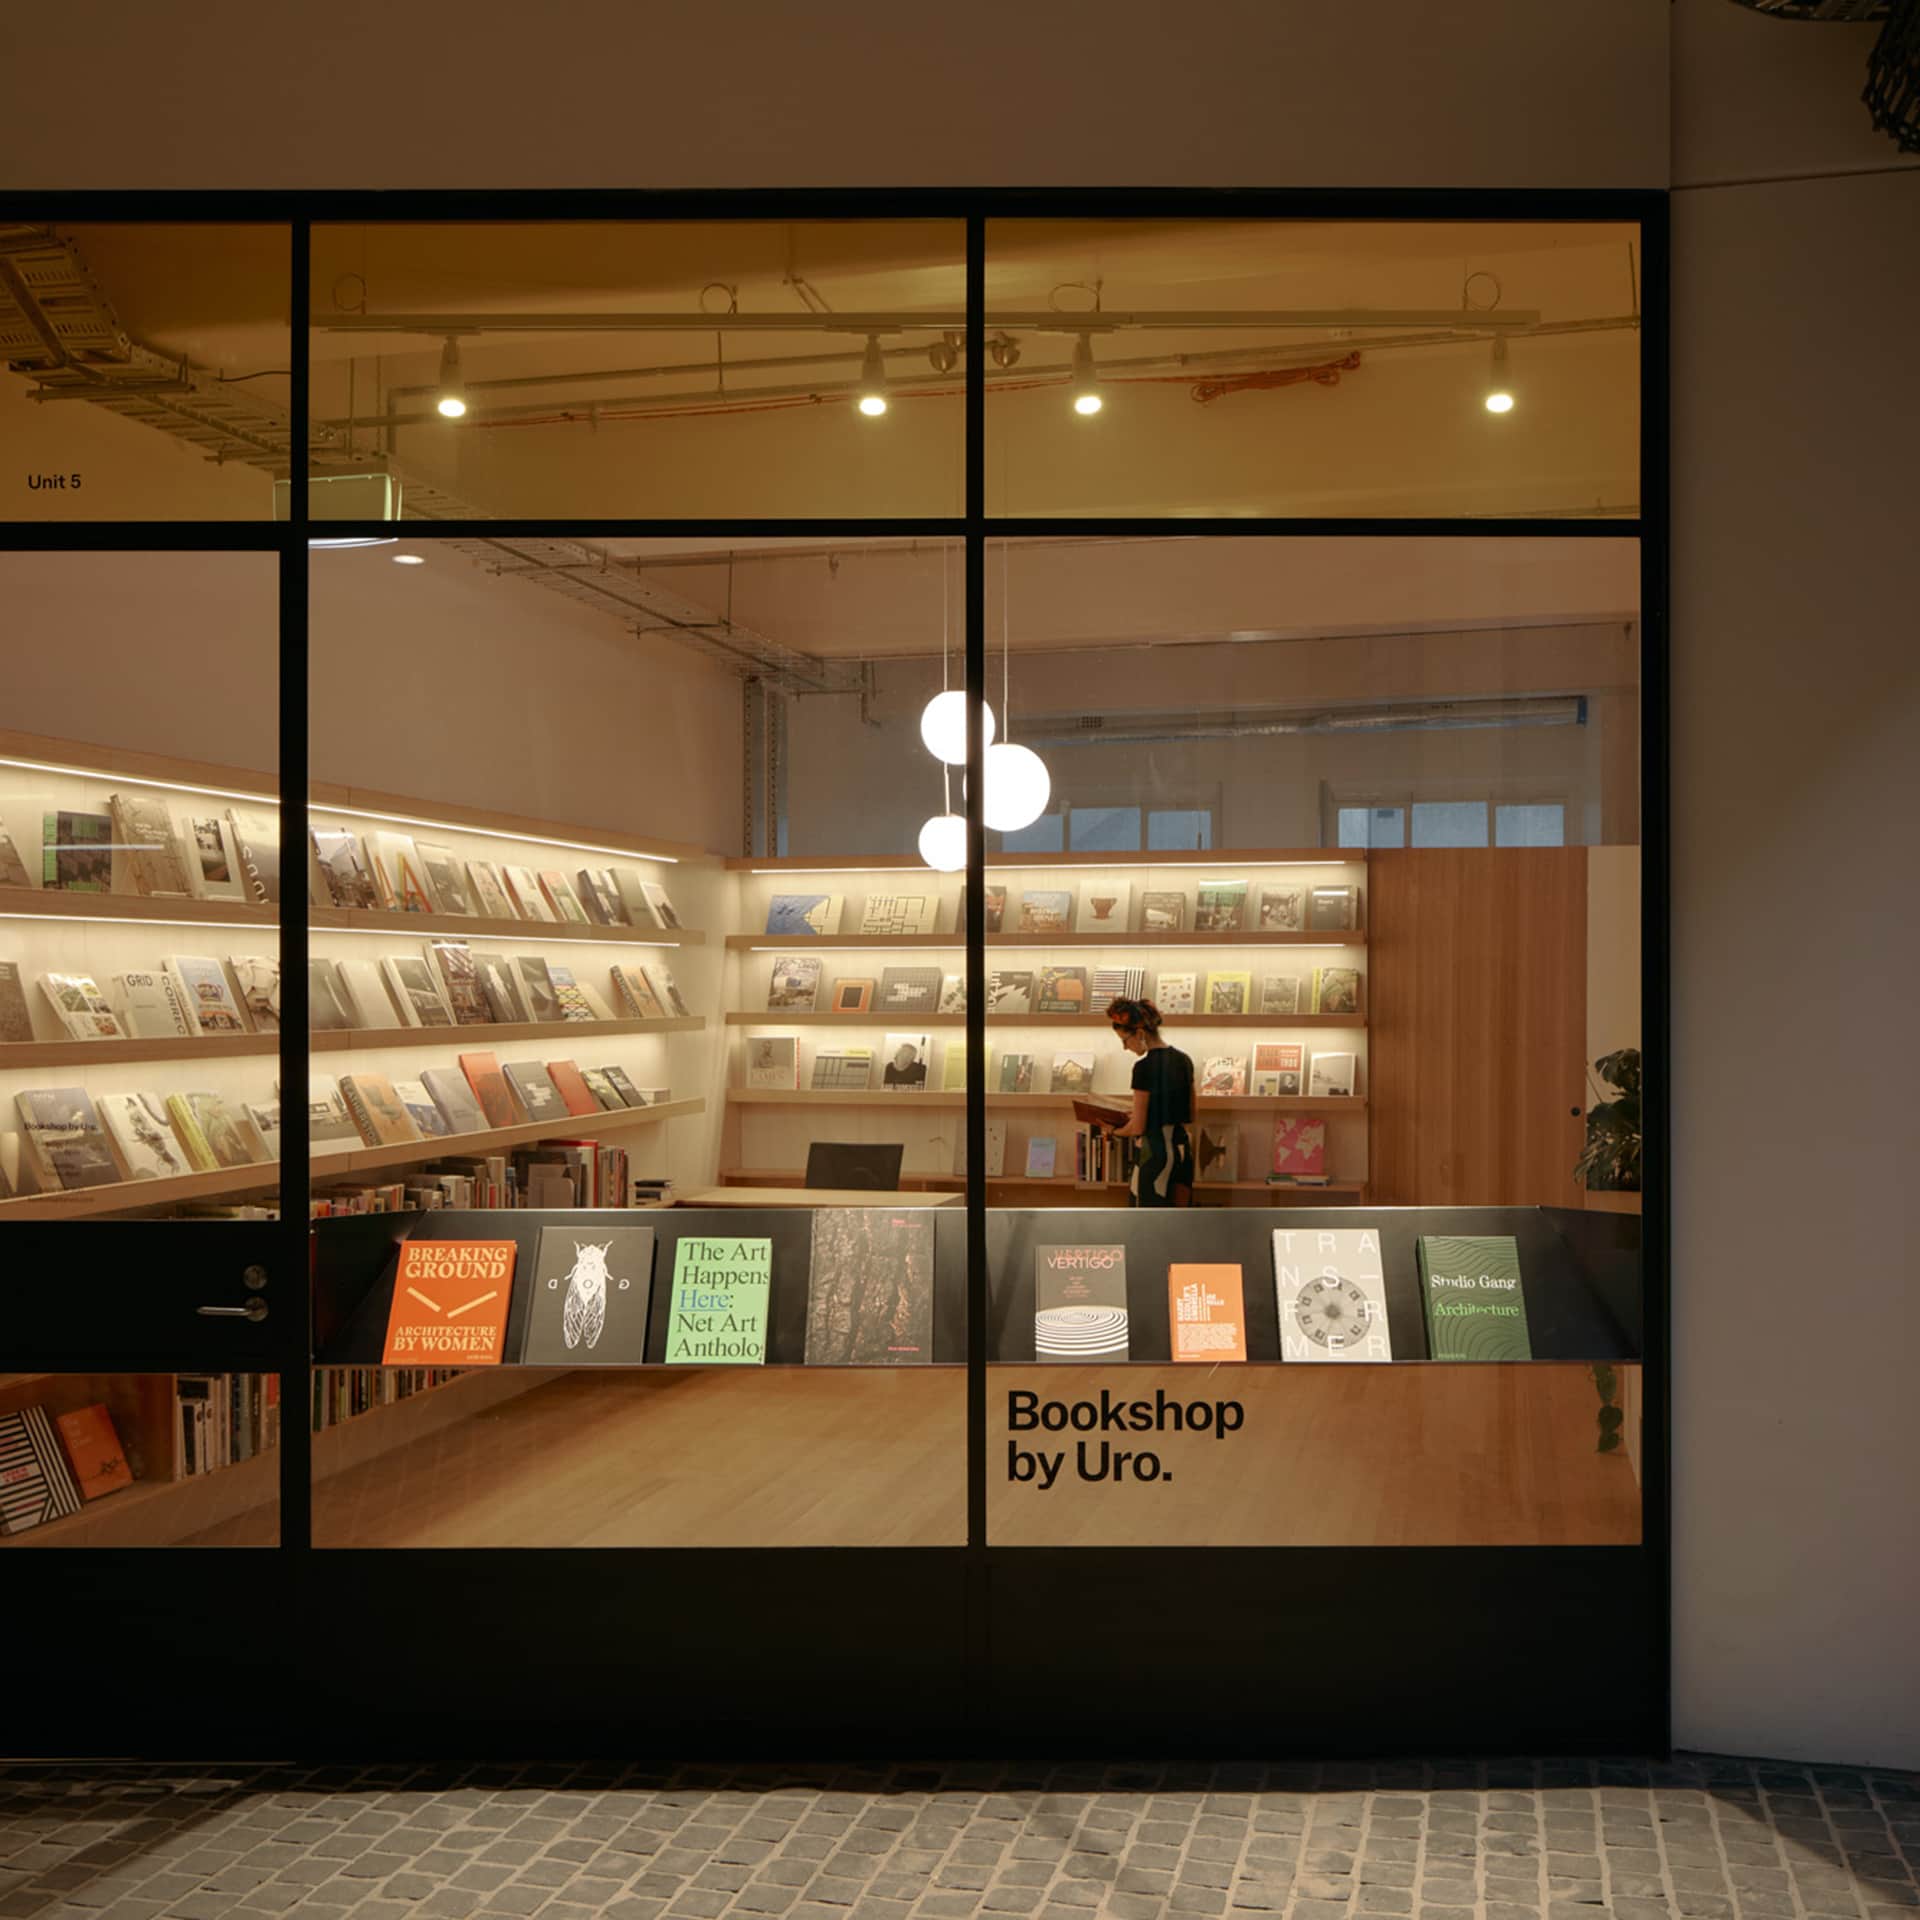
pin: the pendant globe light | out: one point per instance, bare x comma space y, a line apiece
943, 842
1015, 785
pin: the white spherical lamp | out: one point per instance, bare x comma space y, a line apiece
943, 843
943, 726
1017, 788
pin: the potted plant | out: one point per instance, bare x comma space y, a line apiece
1610, 1161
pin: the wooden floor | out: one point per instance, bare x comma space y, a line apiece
1328, 1456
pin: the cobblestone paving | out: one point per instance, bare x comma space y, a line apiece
1703, 1838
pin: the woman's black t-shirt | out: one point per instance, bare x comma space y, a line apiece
1165, 1076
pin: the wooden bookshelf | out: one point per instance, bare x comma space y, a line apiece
57, 903
133, 1196
1053, 1183
1217, 863
112, 1053
1030, 1102
1099, 1021
1159, 938
355, 1039
459, 926
162, 1512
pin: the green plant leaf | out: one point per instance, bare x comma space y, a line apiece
1611, 1419
1609, 1443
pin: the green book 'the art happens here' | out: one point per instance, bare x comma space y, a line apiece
1476, 1309
718, 1314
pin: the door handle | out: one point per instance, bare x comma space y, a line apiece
255, 1309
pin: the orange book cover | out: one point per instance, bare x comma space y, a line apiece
99, 1460
573, 1087
450, 1300
490, 1088
1208, 1313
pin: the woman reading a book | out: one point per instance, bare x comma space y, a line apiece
1162, 1107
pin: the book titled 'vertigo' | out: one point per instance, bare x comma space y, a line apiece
450, 1301
1080, 1303
1476, 1308
718, 1314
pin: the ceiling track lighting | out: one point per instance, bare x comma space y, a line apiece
1084, 385
450, 400
1499, 379
872, 391
944, 355
1005, 351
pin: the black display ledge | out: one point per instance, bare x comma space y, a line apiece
1580, 1272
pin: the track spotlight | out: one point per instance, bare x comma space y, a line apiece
1086, 391
1499, 382
1005, 351
944, 355
873, 380
452, 401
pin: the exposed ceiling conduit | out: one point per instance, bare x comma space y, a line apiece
1431, 716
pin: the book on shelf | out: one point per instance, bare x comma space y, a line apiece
450, 1302
429, 1122
908, 990
1216, 1152
843, 1069
1224, 1075
773, 1060
500, 984
1016, 1073
228, 1135
632, 892
142, 1136
1060, 990
907, 1057
1071, 1073
1046, 910
1283, 907
899, 913
256, 838
570, 1083
1173, 992
255, 979
19, 844
1042, 1154
853, 995
398, 875
213, 857
186, 1129
148, 858
344, 1393
76, 851
1227, 992
603, 1090
263, 1116
1333, 909
1206, 1312
1105, 906
1010, 991
80, 1006
717, 1316
1099, 1159
1080, 1303
996, 1156
660, 979
560, 896
1280, 993
1331, 1292
36, 1483
630, 992
369, 1004
488, 886
1162, 911
16, 1017
414, 991
630, 1095
1115, 983
994, 914
1332, 1076
1299, 1147
663, 909
591, 1292
793, 916
523, 888
328, 1122
62, 1141
204, 987
953, 1066
490, 1088
953, 993
460, 980
343, 869
870, 1288
93, 1450
534, 1085
597, 895
1476, 1303
445, 880
793, 985
1336, 990
330, 1008
453, 1095
1220, 906
1278, 1067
